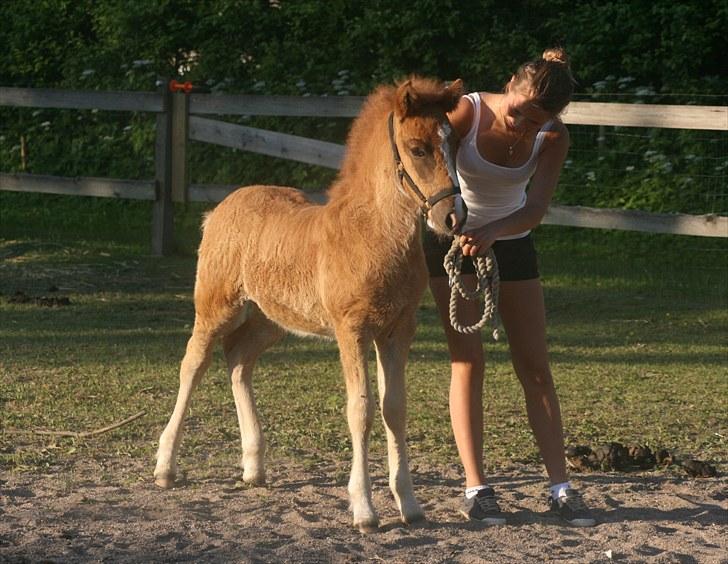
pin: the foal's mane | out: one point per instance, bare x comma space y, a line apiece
426, 96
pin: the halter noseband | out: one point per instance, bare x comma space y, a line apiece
427, 203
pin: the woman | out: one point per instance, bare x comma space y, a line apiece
508, 141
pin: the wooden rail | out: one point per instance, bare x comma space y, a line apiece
180, 119
710, 225
82, 99
578, 113
265, 142
647, 115
300, 106
80, 186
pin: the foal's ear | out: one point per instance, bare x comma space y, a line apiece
453, 93
406, 99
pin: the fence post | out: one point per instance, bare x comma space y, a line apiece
163, 209
180, 118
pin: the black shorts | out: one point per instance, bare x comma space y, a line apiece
517, 258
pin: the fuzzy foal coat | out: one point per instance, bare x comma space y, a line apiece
353, 270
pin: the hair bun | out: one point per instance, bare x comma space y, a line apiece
556, 54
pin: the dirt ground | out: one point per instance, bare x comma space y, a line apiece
116, 514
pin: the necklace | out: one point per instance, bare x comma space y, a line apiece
512, 145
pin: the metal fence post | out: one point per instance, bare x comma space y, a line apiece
163, 209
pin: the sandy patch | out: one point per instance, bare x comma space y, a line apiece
302, 516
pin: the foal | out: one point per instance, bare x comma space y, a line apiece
353, 270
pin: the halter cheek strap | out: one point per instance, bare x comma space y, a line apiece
402, 174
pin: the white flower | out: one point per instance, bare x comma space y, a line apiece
629, 168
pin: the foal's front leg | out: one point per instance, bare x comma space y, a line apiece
392, 351
360, 414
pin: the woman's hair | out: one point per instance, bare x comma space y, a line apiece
548, 80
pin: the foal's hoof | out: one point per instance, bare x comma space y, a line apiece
254, 479
165, 482
414, 518
368, 527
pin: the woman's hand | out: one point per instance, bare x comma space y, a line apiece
477, 242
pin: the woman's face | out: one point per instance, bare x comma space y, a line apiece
520, 114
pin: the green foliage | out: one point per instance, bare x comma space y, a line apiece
303, 46
621, 51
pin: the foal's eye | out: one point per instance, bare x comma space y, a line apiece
418, 152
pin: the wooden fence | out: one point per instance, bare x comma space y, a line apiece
180, 120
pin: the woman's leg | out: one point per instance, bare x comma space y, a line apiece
466, 383
521, 306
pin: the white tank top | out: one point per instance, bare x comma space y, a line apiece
491, 191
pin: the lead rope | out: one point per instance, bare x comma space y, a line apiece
488, 280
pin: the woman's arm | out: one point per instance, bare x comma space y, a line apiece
541, 190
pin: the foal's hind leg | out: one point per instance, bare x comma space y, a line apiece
242, 349
195, 363
392, 351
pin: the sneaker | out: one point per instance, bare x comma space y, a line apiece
572, 509
483, 507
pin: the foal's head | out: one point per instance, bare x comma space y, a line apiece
425, 144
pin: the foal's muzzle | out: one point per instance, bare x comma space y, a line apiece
455, 220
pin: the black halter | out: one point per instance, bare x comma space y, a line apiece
427, 203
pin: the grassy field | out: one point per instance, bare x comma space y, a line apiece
637, 329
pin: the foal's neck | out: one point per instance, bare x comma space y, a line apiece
368, 188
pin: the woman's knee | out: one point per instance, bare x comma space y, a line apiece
468, 369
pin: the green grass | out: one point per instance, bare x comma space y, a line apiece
637, 331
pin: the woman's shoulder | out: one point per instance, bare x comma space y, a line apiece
462, 116
556, 140
470, 107
557, 132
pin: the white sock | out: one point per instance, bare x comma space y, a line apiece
470, 492
559, 490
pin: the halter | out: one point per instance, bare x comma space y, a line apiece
427, 203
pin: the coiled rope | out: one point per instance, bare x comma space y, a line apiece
488, 281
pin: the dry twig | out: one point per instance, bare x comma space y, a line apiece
81, 434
